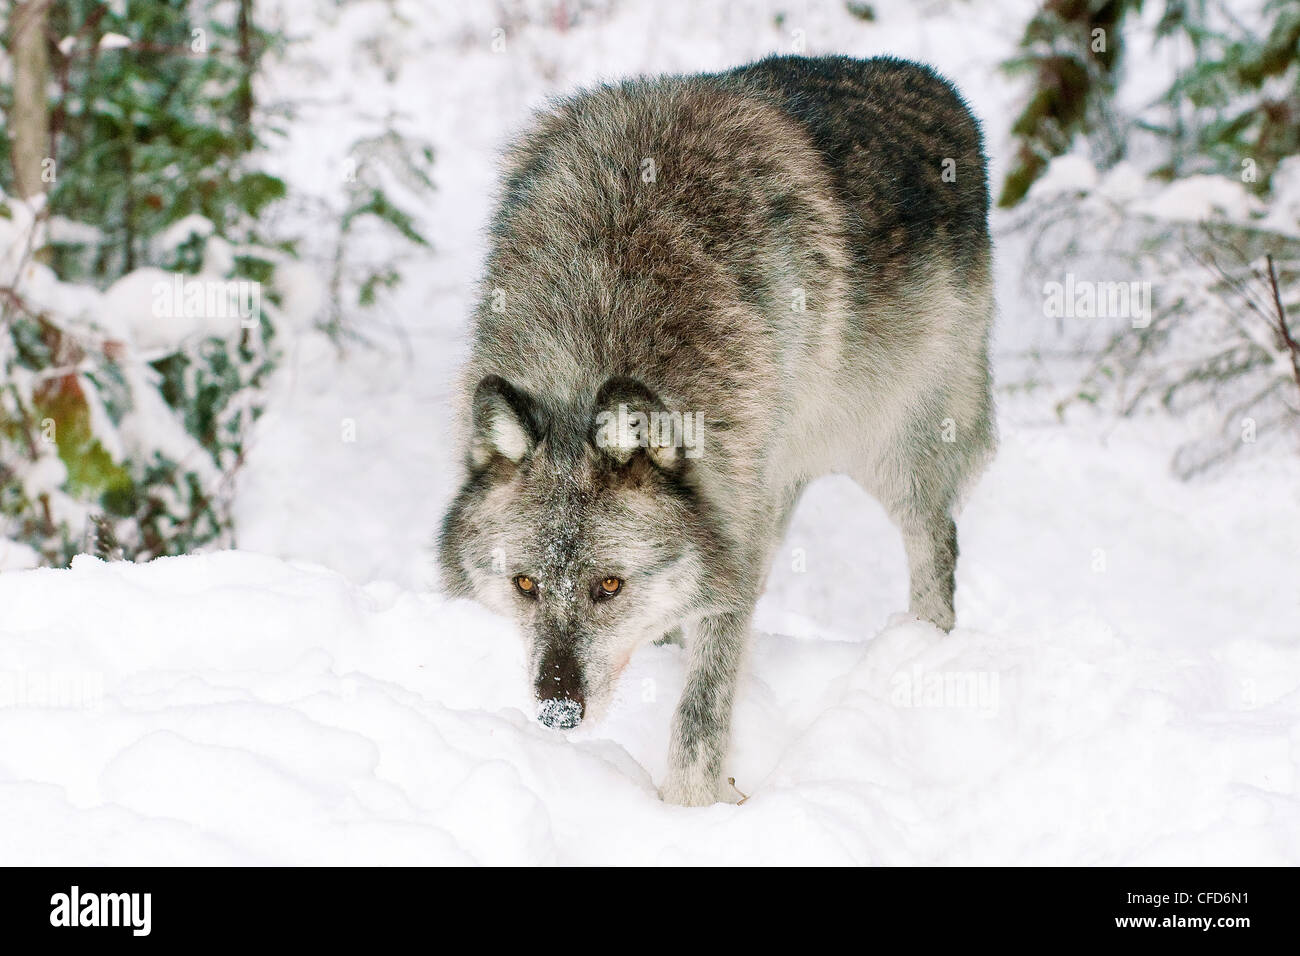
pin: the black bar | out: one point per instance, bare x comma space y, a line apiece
484, 907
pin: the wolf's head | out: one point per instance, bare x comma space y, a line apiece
580, 523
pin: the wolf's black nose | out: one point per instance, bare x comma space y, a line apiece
559, 713
560, 700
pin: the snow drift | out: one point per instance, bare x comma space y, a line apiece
1117, 708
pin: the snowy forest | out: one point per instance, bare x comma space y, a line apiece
239, 248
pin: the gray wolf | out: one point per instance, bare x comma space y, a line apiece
703, 292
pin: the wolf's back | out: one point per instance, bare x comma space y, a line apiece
715, 236
656, 229
904, 149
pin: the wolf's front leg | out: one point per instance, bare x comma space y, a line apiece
702, 723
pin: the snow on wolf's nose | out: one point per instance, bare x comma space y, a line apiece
560, 699
559, 713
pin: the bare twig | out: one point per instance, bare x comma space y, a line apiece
1283, 328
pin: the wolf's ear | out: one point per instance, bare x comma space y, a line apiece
630, 419
504, 421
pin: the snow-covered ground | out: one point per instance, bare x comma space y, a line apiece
1121, 689
1123, 685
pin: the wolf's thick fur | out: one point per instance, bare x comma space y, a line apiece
797, 249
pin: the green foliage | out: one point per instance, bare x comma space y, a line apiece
1072, 49
151, 132
1235, 110
375, 203
1236, 123
381, 166
97, 440
91, 470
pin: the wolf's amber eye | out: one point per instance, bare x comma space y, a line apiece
611, 586
526, 584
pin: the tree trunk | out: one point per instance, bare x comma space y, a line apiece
244, 98
30, 124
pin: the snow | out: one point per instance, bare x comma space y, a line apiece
160, 312
556, 713
1284, 211
180, 232
1189, 199
1123, 686
1197, 198
16, 556
1134, 707
1065, 174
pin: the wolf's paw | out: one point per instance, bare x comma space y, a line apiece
681, 791
940, 616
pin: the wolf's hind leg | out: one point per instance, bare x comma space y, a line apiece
930, 540
921, 509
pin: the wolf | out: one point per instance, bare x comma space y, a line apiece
792, 258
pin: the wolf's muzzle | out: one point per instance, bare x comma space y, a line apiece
560, 700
